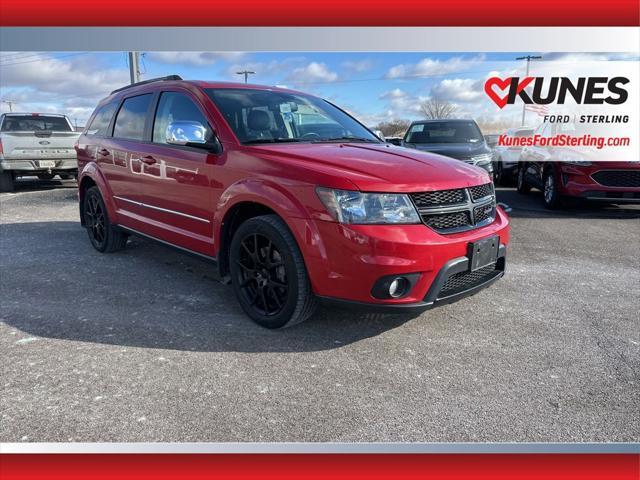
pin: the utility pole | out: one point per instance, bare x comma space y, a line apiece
246, 74
134, 66
528, 58
10, 103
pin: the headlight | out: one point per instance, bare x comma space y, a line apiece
347, 206
482, 159
573, 159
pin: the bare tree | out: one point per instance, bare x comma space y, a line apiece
393, 128
435, 108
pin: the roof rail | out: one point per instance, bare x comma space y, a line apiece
159, 79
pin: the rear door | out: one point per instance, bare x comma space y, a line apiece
121, 156
176, 180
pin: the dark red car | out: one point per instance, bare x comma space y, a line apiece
294, 199
563, 172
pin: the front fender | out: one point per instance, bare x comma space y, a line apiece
284, 203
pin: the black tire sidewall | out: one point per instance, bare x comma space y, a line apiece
521, 180
94, 192
555, 199
256, 225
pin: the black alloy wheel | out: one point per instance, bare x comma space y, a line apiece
263, 277
268, 273
104, 236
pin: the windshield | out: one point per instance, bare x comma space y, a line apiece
264, 116
444, 132
35, 123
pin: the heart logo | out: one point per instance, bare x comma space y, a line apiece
503, 85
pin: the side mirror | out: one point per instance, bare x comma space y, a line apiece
190, 134
184, 133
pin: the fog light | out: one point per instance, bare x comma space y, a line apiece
398, 287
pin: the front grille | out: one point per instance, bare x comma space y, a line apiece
484, 212
450, 211
618, 178
459, 282
440, 197
481, 191
448, 221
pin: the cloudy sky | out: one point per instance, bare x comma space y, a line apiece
372, 86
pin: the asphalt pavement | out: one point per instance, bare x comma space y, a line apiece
145, 345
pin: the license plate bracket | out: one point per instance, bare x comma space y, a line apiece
483, 252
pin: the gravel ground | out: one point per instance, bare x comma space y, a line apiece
145, 345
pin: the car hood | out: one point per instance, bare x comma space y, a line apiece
461, 151
378, 167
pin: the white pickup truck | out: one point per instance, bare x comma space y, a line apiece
36, 144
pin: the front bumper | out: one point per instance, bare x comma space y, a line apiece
344, 262
577, 181
34, 166
436, 295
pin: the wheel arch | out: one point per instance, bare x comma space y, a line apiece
250, 198
90, 177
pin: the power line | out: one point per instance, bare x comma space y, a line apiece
41, 59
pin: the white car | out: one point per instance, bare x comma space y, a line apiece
505, 159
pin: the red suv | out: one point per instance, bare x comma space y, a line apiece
294, 199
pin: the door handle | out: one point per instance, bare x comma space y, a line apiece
149, 160
104, 152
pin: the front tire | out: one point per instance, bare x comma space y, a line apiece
521, 185
550, 195
104, 236
498, 173
268, 273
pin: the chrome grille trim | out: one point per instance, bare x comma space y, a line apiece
479, 206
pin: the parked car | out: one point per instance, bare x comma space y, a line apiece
459, 139
36, 144
506, 158
292, 213
563, 172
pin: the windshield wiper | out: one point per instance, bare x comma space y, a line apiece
346, 139
271, 140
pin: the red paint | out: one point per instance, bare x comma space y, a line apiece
343, 261
332, 13
309, 466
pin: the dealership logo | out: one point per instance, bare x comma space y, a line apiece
585, 91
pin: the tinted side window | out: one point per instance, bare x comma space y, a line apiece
100, 123
176, 107
131, 117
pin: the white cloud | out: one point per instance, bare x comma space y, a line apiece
402, 103
459, 89
434, 67
71, 84
196, 59
312, 73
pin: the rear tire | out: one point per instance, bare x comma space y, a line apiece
104, 236
46, 176
521, 184
6, 182
268, 273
